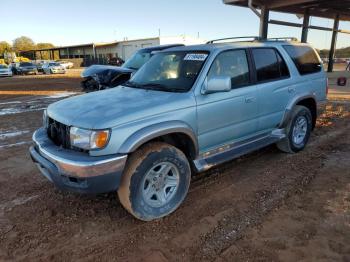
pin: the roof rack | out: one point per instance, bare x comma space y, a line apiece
254, 38
292, 39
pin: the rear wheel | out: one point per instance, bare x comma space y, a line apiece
298, 131
155, 181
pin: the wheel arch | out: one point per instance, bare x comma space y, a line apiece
307, 100
176, 133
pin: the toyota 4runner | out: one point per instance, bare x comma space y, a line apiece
188, 109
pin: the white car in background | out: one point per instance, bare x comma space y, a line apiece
5, 70
53, 68
66, 64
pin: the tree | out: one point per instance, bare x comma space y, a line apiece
4, 47
44, 54
44, 45
23, 43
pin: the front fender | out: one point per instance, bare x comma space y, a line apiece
148, 133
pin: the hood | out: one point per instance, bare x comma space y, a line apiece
104, 69
112, 107
27, 67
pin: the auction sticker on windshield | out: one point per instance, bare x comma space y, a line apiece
195, 57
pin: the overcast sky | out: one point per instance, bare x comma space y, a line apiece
66, 22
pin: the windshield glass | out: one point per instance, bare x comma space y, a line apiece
26, 64
54, 64
170, 71
3, 66
137, 60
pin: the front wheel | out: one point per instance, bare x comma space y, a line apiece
298, 131
155, 181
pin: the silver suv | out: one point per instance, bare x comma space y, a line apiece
186, 110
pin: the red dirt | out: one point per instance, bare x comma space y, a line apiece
267, 206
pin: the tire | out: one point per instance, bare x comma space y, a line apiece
294, 143
139, 194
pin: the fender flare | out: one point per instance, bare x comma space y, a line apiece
148, 133
292, 103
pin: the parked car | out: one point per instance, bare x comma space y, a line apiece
99, 77
24, 68
5, 70
188, 109
53, 68
39, 64
65, 64
116, 61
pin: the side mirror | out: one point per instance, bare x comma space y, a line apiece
217, 84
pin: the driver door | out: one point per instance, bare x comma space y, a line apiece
225, 117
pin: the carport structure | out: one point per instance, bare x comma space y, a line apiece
339, 10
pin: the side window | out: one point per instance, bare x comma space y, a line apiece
266, 64
233, 64
304, 58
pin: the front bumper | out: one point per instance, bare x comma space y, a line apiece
58, 71
27, 72
76, 171
5, 73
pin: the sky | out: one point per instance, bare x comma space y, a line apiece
67, 22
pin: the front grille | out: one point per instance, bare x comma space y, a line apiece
58, 133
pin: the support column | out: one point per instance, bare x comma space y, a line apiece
333, 44
306, 23
264, 22
68, 53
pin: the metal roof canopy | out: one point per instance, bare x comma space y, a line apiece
333, 9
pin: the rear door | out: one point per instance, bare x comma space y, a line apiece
313, 79
274, 86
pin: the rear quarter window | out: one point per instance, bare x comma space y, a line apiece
304, 58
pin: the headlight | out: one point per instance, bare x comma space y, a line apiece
88, 139
45, 119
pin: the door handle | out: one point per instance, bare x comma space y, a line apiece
291, 89
249, 99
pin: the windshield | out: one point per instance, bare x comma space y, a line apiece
137, 60
54, 64
3, 66
26, 64
170, 71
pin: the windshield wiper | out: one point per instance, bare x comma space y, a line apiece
160, 87
132, 84
154, 86
132, 68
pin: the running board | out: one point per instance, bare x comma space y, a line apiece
229, 152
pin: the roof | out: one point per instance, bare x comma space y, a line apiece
319, 8
229, 45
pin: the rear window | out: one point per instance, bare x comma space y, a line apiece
304, 58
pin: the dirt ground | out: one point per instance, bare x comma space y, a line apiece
266, 206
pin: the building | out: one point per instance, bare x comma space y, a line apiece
100, 52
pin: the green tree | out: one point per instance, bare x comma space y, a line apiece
44, 54
23, 43
4, 46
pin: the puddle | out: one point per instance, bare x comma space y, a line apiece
12, 134
31, 103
